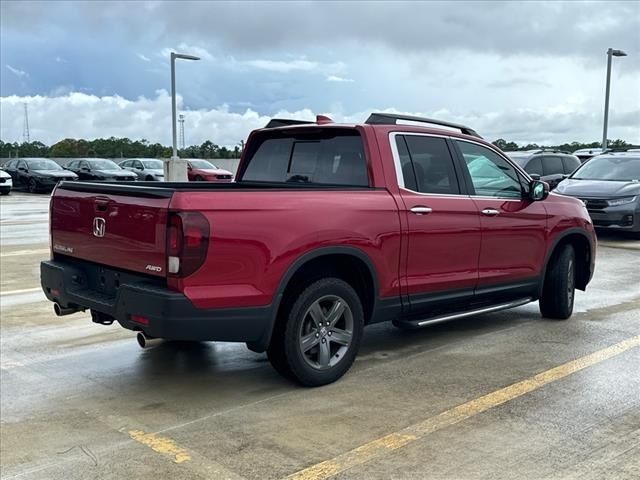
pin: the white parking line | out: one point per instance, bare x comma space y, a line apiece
17, 292
17, 253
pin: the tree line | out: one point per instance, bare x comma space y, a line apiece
126, 148
113, 148
506, 146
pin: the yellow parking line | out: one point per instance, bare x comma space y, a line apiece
17, 253
159, 444
24, 290
393, 441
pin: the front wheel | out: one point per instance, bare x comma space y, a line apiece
33, 186
321, 337
558, 292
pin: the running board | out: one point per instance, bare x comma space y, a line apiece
468, 313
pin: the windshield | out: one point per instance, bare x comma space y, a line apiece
609, 168
104, 165
201, 164
155, 164
43, 164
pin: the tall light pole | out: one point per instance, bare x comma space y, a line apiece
176, 170
610, 53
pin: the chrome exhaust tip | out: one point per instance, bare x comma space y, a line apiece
147, 342
61, 311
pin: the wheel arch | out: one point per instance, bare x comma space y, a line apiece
583, 248
349, 263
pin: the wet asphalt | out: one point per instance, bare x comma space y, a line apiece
80, 400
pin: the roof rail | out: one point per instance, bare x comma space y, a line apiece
284, 122
392, 119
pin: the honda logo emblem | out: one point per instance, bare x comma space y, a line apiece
99, 226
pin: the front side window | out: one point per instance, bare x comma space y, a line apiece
570, 164
552, 165
322, 158
491, 175
534, 167
430, 169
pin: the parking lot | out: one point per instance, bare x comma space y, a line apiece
502, 395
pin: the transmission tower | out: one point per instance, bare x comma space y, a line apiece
25, 126
181, 121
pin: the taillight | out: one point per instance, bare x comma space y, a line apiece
187, 242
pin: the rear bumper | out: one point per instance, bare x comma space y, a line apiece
164, 313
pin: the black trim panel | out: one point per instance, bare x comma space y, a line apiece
170, 314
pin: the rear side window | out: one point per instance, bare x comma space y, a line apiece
432, 165
324, 158
71, 164
552, 165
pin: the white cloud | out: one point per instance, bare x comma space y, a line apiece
142, 57
336, 78
81, 115
283, 66
17, 72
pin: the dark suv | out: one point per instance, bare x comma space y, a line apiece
551, 166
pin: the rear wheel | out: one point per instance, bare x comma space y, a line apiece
321, 336
149, 178
33, 186
558, 292
199, 178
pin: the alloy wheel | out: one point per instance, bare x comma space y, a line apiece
326, 332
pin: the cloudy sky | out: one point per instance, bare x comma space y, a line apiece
523, 71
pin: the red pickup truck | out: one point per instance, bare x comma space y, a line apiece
328, 228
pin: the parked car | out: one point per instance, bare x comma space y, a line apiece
205, 171
548, 165
36, 174
585, 154
5, 183
329, 228
148, 169
99, 169
609, 186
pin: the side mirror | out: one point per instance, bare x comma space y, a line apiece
565, 176
538, 190
22, 169
85, 169
535, 176
189, 167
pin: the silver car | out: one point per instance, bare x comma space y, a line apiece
148, 169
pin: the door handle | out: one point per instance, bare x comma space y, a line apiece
420, 210
490, 212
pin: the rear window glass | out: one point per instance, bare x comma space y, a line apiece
325, 158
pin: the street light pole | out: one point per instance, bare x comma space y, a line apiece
610, 53
176, 169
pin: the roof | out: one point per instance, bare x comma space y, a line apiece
383, 121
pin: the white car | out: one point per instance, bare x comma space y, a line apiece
5, 183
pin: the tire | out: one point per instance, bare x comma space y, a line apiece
320, 337
4, 192
199, 179
33, 186
558, 292
149, 178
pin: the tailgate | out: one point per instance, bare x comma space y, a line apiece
124, 230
